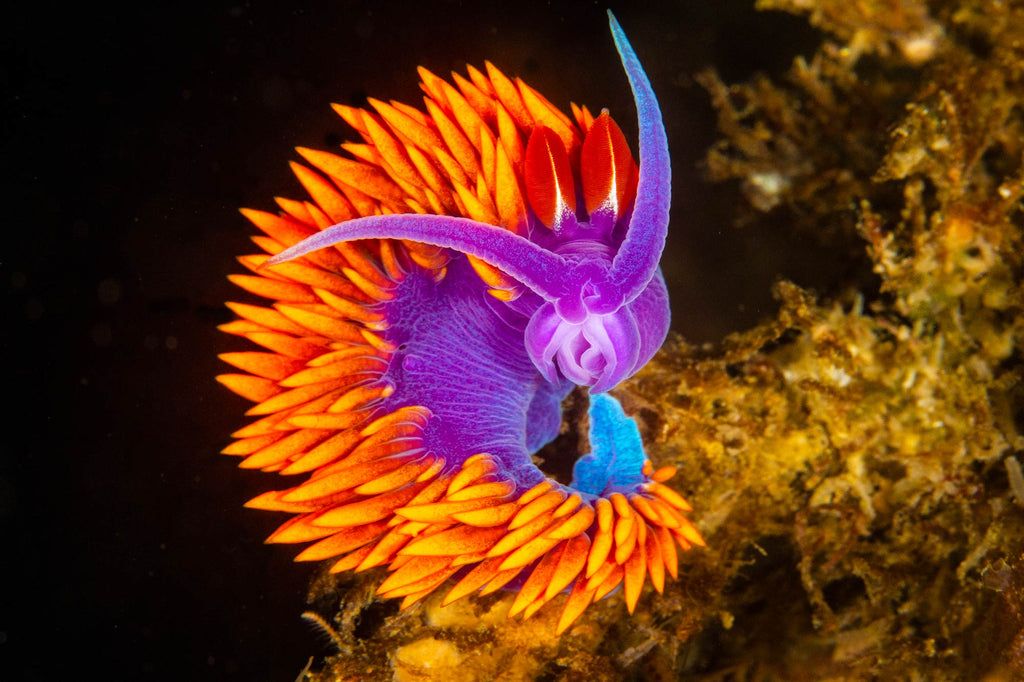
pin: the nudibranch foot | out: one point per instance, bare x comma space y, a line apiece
431, 305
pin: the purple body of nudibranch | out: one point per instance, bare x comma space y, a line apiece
467, 363
414, 383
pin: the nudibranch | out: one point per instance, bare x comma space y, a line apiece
432, 304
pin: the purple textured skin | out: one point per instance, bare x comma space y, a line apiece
595, 310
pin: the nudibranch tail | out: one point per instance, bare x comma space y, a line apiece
431, 305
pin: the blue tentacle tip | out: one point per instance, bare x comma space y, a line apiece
616, 456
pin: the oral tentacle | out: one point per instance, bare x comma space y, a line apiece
534, 266
637, 259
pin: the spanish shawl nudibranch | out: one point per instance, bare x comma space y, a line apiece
433, 303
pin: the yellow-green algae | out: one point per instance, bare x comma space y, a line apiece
854, 462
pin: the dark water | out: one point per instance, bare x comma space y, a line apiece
130, 139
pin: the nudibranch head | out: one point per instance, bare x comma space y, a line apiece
432, 304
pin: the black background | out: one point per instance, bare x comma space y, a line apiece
130, 138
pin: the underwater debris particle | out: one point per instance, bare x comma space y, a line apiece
1016, 477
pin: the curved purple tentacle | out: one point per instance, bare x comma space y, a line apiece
534, 266
637, 258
